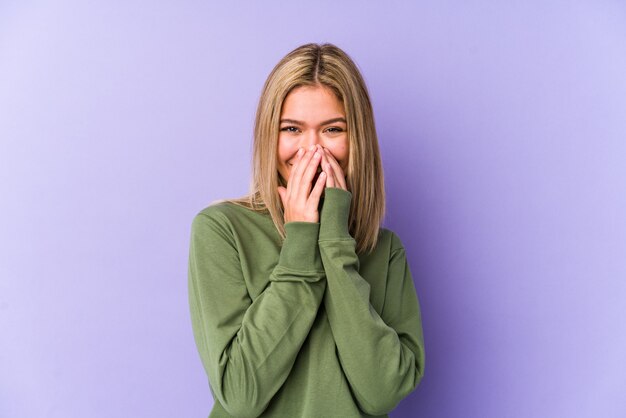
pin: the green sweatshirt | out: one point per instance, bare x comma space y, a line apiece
306, 329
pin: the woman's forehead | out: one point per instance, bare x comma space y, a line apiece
311, 103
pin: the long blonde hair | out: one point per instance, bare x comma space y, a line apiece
326, 65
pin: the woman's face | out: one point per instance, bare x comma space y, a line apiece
311, 115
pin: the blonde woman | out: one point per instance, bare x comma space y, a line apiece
302, 304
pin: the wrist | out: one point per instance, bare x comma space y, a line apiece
300, 250
335, 213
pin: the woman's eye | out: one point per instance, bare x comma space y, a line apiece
334, 129
289, 129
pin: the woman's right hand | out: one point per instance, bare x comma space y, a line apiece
299, 201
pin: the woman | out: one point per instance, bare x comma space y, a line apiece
302, 305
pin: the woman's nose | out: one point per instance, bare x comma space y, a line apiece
309, 139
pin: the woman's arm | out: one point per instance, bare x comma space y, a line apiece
382, 356
249, 347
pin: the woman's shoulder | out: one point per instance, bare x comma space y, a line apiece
216, 208
221, 211
215, 218
390, 239
231, 214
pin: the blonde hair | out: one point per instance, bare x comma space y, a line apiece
328, 66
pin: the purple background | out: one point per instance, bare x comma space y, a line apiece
503, 134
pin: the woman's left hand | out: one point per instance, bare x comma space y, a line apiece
334, 173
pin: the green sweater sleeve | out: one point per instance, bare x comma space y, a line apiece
382, 356
249, 347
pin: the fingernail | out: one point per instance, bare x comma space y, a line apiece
312, 147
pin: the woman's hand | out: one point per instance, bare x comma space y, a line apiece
335, 177
299, 201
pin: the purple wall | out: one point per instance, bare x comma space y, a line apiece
503, 132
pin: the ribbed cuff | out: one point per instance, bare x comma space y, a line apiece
300, 251
335, 214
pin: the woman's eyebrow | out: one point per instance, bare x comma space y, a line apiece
326, 122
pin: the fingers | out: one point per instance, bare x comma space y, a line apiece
339, 177
330, 181
305, 178
303, 172
283, 194
330, 178
301, 198
297, 168
314, 197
